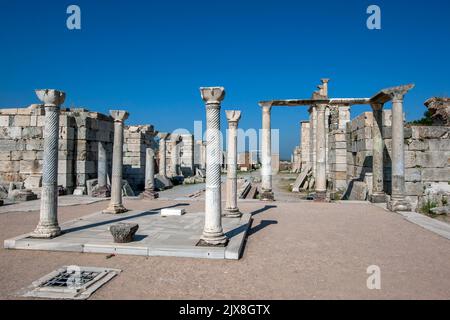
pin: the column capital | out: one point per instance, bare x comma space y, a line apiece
212, 95
397, 93
266, 106
233, 116
163, 135
325, 80
119, 115
51, 97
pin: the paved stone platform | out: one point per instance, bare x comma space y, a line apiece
157, 236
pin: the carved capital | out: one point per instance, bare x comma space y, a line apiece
266, 106
119, 115
233, 116
51, 97
212, 95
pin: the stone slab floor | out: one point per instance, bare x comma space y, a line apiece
293, 251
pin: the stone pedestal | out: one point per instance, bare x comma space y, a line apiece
232, 209
116, 206
48, 226
213, 232
266, 154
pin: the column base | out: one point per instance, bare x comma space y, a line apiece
232, 213
150, 194
378, 198
320, 196
115, 209
267, 196
46, 232
398, 204
213, 239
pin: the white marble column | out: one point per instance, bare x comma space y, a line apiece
378, 195
116, 205
174, 155
102, 165
48, 226
213, 232
162, 154
266, 154
150, 192
321, 176
397, 201
313, 138
232, 209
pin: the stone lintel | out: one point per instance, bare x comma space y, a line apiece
388, 94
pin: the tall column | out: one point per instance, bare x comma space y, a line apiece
321, 165
150, 192
232, 209
213, 232
162, 154
313, 138
378, 195
102, 165
101, 190
174, 155
266, 154
398, 201
48, 226
116, 206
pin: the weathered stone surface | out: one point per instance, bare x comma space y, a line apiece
172, 212
440, 110
124, 232
441, 210
413, 175
436, 174
357, 191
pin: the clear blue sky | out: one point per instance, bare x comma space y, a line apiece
151, 57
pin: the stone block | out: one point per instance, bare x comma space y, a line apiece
414, 188
172, 212
429, 132
439, 144
10, 166
357, 191
32, 133
5, 156
85, 167
32, 155
417, 145
34, 145
413, 175
21, 121
31, 166
387, 118
436, 174
410, 159
432, 159
4, 121
33, 182
123, 232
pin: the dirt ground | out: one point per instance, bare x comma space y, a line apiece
294, 251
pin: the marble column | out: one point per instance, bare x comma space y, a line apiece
162, 154
398, 201
150, 190
313, 138
116, 206
213, 232
232, 209
48, 226
321, 165
174, 155
378, 195
266, 154
101, 190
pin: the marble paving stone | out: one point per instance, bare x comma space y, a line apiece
175, 236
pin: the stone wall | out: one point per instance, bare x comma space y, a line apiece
21, 142
136, 141
427, 156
